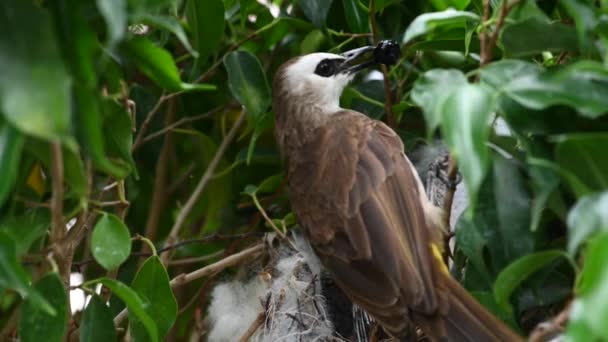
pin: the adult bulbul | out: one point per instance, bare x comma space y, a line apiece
363, 207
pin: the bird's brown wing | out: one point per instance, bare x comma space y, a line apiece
359, 201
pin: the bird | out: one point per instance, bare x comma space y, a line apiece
363, 207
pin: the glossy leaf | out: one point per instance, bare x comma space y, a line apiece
437, 21
588, 217
155, 62
36, 322
119, 132
539, 91
34, 87
517, 272
206, 20
356, 16
135, 305
114, 12
247, 81
11, 144
158, 64
585, 156
464, 115
13, 276
529, 37
25, 229
79, 46
110, 242
152, 285
500, 73
430, 92
512, 209
170, 24
315, 10
97, 324
441, 5
589, 310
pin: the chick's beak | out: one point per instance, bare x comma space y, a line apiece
386, 52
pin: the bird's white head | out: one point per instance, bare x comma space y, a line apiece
316, 79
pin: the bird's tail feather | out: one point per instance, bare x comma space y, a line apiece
467, 320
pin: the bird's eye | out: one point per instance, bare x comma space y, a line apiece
326, 68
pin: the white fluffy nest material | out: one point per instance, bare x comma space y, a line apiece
281, 304
283, 301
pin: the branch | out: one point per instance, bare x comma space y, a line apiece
388, 98
488, 42
184, 278
159, 195
180, 122
58, 230
62, 252
144, 126
181, 218
255, 325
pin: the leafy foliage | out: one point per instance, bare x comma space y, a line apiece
121, 119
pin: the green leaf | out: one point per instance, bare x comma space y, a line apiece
152, 285
263, 125
518, 271
34, 87
118, 128
11, 144
434, 22
35, 322
529, 37
588, 217
500, 73
586, 21
110, 242
545, 182
13, 276
247, 81
512, 209
155, 62
550, 88
80, 47
135, 304
158, 64
206, 20
73, 168
315, 10
270, 184
585, 156
356, 16
26, 228
441, 5
114, 12
464, 115
431, 90
97, 324
170, 24
217, 194
588, 312
311, 42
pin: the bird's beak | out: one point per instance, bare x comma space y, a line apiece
386, 52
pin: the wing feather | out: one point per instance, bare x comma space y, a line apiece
368, 226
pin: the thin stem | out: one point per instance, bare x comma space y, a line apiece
181, 218
246, 255
144, 126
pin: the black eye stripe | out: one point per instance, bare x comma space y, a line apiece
328, 67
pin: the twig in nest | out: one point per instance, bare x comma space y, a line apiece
255, 325
246, 255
